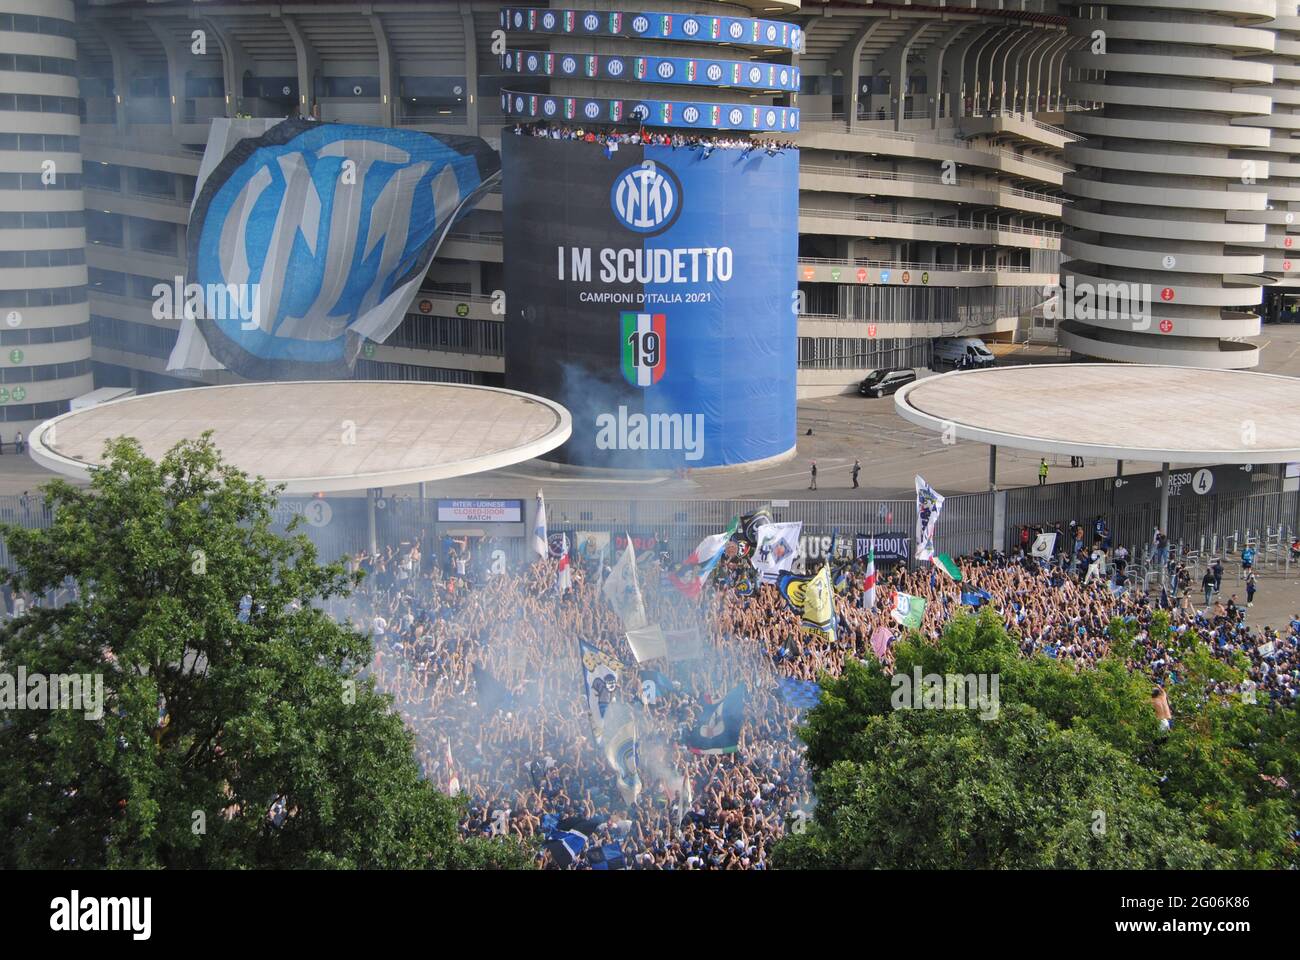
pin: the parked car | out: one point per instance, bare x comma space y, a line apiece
962, 352
881, 383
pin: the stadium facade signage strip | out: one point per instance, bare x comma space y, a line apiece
698, 28
480, 511
686, 71
651, 113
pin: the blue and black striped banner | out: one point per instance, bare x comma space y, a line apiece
655, 26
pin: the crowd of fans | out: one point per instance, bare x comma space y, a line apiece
676, 140
483, 662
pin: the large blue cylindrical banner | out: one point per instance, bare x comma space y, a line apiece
651, 291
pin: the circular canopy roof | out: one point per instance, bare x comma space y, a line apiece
321, 435
1118, 411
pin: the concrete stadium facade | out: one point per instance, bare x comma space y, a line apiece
939, 145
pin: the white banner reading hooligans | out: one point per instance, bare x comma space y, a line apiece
623, 592
1043, 544
775, 547
929, 504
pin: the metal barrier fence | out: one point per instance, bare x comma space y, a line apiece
1240, 509
967, 523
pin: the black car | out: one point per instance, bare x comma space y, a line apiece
880, 383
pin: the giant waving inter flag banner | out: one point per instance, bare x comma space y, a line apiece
308, 240
929, 504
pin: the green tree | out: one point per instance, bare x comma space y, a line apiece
1074, 771
208, 721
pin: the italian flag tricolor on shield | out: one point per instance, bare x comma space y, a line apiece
644, 357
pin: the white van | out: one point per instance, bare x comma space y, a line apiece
960, 352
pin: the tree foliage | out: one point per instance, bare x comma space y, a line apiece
209, 720
1073, 772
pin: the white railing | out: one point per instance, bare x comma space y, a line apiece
925, 178
927, 221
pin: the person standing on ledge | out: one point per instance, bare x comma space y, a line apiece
813, 474
857, 468
1042, 471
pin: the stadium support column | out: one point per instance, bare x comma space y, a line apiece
1164, 499
993, 466
371, 496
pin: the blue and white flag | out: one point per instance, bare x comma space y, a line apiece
929, 504
623, 591
539, 543
620, 749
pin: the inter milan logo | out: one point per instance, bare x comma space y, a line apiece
591, 22
592, 110
548, 21
714, 72
640, 24
690, 27
568, 64
736, 29
690, 114
646, 198
665, 69
614, 67
644, 338
755, 75
736, 117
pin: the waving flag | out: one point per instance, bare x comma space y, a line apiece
869, 584
564, 580
775, 549
880, 642
908, 611
929, 504
819, 604
539, 545
453, 781
800, 694
1043, 544
975, 598
691, 576
623, 592
945, 563
600, 674
719, 729
308, 240
620, 749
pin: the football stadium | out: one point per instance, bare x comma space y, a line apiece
758, 435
